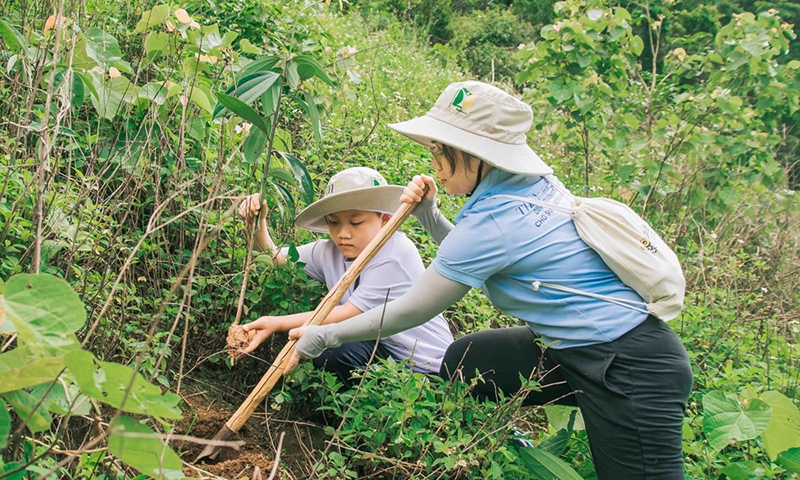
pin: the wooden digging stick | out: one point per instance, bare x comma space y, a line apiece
275, 371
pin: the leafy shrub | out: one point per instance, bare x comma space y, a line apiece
485, 41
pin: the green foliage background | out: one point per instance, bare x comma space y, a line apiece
118, 158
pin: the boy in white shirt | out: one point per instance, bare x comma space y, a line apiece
357, 203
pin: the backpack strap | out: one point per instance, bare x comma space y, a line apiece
631, 304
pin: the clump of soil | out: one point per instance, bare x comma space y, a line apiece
237, 341
231, 464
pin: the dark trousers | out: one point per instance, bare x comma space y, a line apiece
632, 392
347, 357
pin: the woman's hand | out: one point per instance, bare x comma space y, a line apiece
260, 330
250, 207
416, 188
294, 334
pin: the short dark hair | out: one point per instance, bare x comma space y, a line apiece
450, 154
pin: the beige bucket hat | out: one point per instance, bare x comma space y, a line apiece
357, 188
482, 120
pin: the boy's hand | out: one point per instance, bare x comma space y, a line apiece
294, 334
259, 331
414, 191
250, 207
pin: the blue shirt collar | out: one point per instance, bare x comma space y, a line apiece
495, 180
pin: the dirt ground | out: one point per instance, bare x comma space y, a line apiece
204, 417
203, 420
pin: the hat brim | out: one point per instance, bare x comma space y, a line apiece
383, 199
519, 158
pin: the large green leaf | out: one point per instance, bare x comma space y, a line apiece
21, 472
743, 470
31, 364
62, 402
14, 39
108, 94
727, 420
306, 64
107, 382
5, 425
44, 309
306, 100
240, 108
104, 49
790, 460
24, 403
260, 65
303, 177
254, 145
150, 18
783, 431
140, 447
545, 466
250, 87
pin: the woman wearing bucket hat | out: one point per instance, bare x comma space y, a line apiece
357, 203
626, 370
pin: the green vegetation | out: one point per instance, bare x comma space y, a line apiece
130, 131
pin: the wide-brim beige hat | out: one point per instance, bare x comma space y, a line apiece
482, 120
358, 188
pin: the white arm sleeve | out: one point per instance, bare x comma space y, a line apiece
430, 295
428, 214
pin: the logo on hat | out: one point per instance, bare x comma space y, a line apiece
461, 102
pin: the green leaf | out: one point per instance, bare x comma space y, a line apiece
555, 444
24, 404
261, 65
240, 108
249, 88
282, 174
545, 466
104, 49
292, 77
637, 45
790, 460
306, 61
140, 447
248, 47
156, 16
14, 39
303, 177
783, 431
594, 14
254, 145
631, 120
156, 92
31, 364
560, 417
155, 44
228, 39
107, 382
5, 425
12, 466
287, 199
560, 91
726, 420
44, 309
282, 141
742, 470
200, 98
110, 93
58, 401
310, 106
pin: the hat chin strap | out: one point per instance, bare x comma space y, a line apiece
478, 180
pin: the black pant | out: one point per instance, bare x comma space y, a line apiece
632, 392
347, 357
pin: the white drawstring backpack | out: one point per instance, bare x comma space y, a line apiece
630, 248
